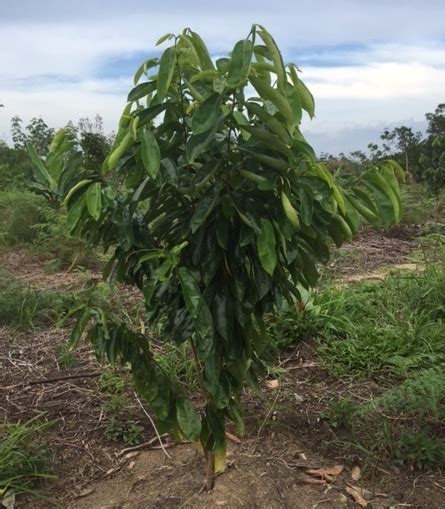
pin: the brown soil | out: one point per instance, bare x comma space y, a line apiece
267, 469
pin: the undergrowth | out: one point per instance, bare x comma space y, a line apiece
26, 308
23, 460
392, 332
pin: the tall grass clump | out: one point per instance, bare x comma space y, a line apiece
23, 459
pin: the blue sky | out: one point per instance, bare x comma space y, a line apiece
370, 64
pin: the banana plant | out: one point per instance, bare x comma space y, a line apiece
214, 205
58, 172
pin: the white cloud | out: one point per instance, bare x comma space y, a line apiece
392, 55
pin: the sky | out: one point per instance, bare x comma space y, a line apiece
370, 64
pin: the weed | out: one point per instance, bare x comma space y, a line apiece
111, 382
341, 413
116, 404
128, 432
177, 363
420, 450
65, 356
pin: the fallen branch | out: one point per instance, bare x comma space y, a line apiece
62, 378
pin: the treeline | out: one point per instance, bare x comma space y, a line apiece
15, 164
421, 154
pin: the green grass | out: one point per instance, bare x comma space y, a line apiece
26, 308
392, 332
28, 222
23, 460
393, 327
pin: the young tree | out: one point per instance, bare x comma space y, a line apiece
215, 207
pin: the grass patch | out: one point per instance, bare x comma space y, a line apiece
23, 460
393, 327
25, 308
392, 332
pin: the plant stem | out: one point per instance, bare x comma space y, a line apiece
210, 471
198, 369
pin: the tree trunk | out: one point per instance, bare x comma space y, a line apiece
210, 471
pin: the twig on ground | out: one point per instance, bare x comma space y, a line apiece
153, 424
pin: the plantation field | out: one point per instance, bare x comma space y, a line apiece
351, 412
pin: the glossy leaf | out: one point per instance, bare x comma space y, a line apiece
188, 419
94, 200
166, 70
266, 246
151, 155
204, 209
206, 115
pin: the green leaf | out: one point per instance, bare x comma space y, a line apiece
266, 246
145, 378
151, 155
307, 99
40, 170
75, 213
199, 311
204, 208
222, 314
188, 419
75, 188
206, 115
272, 122
240, 63
143, 68
266, 92
141, 90
94, 200
166, 70
202, 51
383, 183
78, 329
165, 37
275, 55
197, 143
267, 138
289, 210
307, 206
190, 291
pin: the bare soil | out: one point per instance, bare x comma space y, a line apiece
286, 435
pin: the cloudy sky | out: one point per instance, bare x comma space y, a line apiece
371, 64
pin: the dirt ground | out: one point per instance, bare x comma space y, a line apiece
268, 468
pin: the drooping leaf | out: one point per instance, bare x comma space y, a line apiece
266, 246
144, 67
141, 90
240, 62
206, 115
94, 200
40, 169
166, 70
204, 208
151, 155
188, 419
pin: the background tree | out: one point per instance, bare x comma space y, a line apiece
215, 207
432, 160
36, 132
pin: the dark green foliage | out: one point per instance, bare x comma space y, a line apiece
213, 204
420, 450
124, 431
